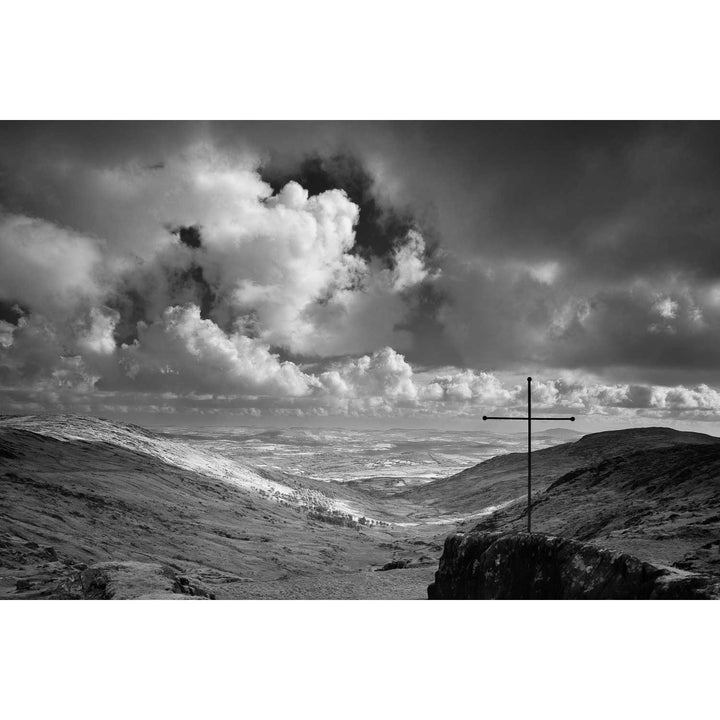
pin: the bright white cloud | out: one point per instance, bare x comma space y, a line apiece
467, 385
97, 337
385, 374
410, 268
48, 268
282, 259
184, 352
6, 334
666, 307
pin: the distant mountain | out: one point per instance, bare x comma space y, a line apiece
564, 433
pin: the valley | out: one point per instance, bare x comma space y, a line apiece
90, 508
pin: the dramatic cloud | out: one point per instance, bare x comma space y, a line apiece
385, 375
183, 350
361, 268
207, 272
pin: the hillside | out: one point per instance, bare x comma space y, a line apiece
76, 493
638, 516
504, 477
660, 503
92, 508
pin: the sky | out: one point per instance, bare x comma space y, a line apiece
361, 273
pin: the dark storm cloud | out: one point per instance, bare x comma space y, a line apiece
557, 242
132, 309
607, 218
610, 204
606, 197
378, 228
618, 199
10, 311
189, 236
36, 178
644, 336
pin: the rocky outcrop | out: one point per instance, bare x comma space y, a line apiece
29, 571
491, 565
394, 565
136, 580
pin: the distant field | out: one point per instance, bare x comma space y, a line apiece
412, 456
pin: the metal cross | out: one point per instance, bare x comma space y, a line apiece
529, 419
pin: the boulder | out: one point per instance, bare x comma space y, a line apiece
137, 580
493, 565
395, 565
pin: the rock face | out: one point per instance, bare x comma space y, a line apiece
491, 565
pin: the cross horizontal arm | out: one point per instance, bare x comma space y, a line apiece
571, 419
489, 417
492, 417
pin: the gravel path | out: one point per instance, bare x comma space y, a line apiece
405, 584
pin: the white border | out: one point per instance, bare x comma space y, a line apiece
376, 59
345, 659
371, 60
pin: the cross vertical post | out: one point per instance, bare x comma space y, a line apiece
529, 419
529, 381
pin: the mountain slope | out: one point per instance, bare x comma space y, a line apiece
633, 514
504, 478
661, 504
76, 492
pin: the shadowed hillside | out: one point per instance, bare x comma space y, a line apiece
660, 503
504, 478
642, 505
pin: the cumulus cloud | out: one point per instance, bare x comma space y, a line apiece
283, 260
183, 352
666, 307
6, 334
384, 374
478, 393
410, 268
48, 268
191, 276
467, 385
97, 337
